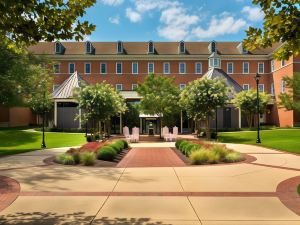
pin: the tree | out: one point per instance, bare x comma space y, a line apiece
281, 24
99, 103
159, 96
201, 97
247, 102
291, 99
28, 22
131, 117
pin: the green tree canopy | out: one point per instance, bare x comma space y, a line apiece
99, 102
27, 22
247, 102
291, 98
281, 24
159, 95
201, 97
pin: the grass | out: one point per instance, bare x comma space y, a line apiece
285, 140
16, 140
298, 189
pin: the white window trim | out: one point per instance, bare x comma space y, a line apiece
86, 47
246, 85
196, 67
184, 68
117, 68
232, 67
244, 63
137, 68
282, 64
150, 52
85, 68
282, 86
272, 65
69, 67
105, 68
58, 68
132, 86
119, 85
166, 63
272, 89
184, 51
149, 67
60, 47
263, 87
263, 67
184, 85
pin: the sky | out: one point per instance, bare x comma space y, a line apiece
172, 20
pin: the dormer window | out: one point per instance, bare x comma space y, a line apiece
212, 47
214, 61
150, 47
58, 48
120, 47
88, 47
182, 47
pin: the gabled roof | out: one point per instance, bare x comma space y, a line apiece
219, 73
65, 90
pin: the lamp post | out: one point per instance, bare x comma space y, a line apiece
257, 77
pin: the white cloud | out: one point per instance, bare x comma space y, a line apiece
114, 20
253, 13
176, 23
226, 24
146, 5
133, 16
112, 2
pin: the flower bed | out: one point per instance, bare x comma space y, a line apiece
91, 152
200, 152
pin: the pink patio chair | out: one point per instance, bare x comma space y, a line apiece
127, 134
135, 134
165, 133
173, 136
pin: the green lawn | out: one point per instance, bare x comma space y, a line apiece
286, 140
13, 141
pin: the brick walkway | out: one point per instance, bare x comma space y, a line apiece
151, 157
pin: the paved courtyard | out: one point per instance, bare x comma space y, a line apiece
259, 192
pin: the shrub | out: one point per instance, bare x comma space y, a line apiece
182, 144
190, 148
116, 146
199, 157
107, 153
220, 150
213, 157
233, 157
87, 158
121, 143
178, 143
66, 159
76, 157
125, 143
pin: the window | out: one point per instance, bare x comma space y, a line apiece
120, 47
230, 67
118, 68
150, 47
55, 86
87, 68
261, 87
245, 67
282, 63
261, 68
71, 68
213, 47
272, 65
166, 68
198, 68
56, 68
246, 87
181, 47
88, 47
135, 68
282, 86
58, 48
103, 68
214, 62
134, 86
151, 67
182, 68
182, 86
119, 87
272, 89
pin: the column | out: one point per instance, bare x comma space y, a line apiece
141, 125
55, 113
181, 122
79, 118
121, 128
240, 118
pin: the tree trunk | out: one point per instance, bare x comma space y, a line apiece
207, 129
160, 126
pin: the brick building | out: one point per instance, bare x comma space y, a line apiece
125, 65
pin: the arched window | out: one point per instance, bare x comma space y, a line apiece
182, 47
58, 47
88, 47
150, 47
120, 47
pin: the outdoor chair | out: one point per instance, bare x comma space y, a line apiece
135, 134
127, 134
165, 133
173, 136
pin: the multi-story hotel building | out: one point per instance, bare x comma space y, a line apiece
125, 64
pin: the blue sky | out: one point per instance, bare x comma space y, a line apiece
172, 20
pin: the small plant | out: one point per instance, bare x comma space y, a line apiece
120, 143
188, 149
87, 158
233, 157
106, 153
182, 144
117, 146
76, 157
213, 157
219, 150
65, 158
178, 143
126, 145
199, 157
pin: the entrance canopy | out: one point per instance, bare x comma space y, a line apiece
148, 116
